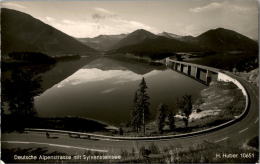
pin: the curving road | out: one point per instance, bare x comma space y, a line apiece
235, 134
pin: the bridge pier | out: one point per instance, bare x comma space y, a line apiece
197, 73
208, 77
189, 70
176, 66
169, 64
181, 67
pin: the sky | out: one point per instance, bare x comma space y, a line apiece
90, 18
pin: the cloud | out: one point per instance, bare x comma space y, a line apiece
226, 14
239, 8
102, 10
101, 22
97, 16
97, 25
50, 19
13, 5
102, 13
76, 28
108, 90
66, 21
129, 25
211, 6
217, 6
110, 23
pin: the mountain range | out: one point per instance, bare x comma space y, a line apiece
142, 42
21, 32
102, 42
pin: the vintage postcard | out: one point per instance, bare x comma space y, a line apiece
129, 81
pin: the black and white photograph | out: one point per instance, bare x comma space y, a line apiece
129, 81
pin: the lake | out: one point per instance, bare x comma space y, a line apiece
103, 88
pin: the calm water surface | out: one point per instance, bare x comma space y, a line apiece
104, 88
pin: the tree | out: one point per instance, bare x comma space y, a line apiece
185, 104
171, 120
178, 57
121, 131
140, 113
136, 120
19, 91
162, 108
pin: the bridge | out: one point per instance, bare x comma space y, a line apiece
203, 74
200, 73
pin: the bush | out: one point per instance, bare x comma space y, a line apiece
35, 57
254, 142
154, 149
124, 154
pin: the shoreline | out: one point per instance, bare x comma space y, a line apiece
203, 123
216, 115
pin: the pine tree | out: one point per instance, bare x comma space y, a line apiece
140, 113
136, 120
185, 104
171, 121
144, 102
161, 117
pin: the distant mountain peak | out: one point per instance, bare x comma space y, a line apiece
33, 35
220, 30
170, 35
111, 36
142, 32
222, 39
102, 42
135, 37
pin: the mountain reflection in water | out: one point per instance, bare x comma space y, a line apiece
84, 76
104, 90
